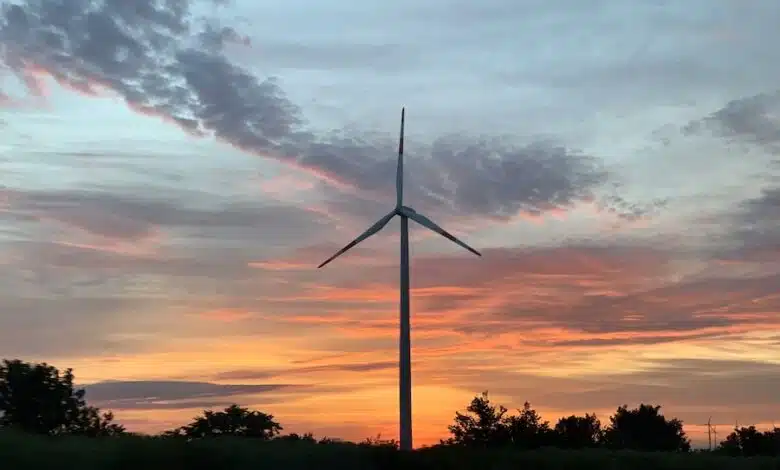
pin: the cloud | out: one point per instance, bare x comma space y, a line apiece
357, 367
757, 228
754, 119
167, 394
763, 209
128, 215
751, 234
163, 63
115, 266
751, 228
587, 295
692, 389
66, 325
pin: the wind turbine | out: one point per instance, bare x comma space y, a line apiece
405, 354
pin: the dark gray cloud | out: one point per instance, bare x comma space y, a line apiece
763, 209
753, 230
252, 374
759, 217
752, 226
163, 61
171, 394
752, 119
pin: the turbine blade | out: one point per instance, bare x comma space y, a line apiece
399, 172
371, 231
431, 225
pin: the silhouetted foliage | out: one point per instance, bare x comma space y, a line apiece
528, 430
645, 428
489, 425
307, 437
482, 426
330, 440
750, 442
232, 421
379, 442
577, 432
37, 398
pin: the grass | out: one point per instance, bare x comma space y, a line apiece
19, 452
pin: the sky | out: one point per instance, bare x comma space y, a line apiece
173, 171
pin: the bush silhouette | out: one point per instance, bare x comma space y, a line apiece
232, 421
750, 442
645, 428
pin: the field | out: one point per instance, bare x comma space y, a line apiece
39, 453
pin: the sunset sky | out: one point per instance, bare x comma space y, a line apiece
173, 174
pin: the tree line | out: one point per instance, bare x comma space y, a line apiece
38, 398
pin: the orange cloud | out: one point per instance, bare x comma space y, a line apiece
580, 297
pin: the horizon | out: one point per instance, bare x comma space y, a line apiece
172, 179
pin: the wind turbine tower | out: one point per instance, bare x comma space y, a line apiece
405, 356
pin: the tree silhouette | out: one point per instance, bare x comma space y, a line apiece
750, 442
232, 421
37, 398
577, 432
306, 437
489, 425
528, 430
482, 426
645, 428
379, 442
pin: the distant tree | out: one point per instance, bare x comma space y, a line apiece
330, 440
37, 398
307, 437
379, 442
528, 430
577, 432
232, 421
645, 428
482, 426
750, 442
